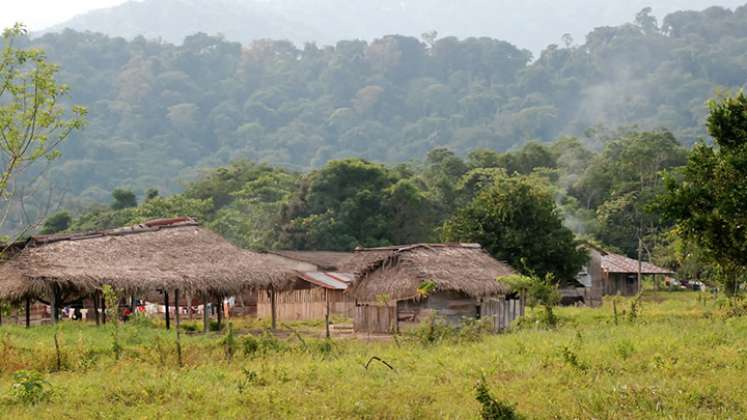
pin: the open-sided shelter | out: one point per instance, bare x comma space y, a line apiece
167, 255
398, 287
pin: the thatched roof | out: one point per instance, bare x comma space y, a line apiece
160, 254
323, 260
399, 271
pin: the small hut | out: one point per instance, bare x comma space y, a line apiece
620, 273
175, 256
398, 287
318, 289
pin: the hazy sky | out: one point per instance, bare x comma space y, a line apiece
38, 14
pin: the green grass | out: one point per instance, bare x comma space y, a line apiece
679, 359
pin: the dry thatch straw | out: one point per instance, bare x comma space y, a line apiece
160, 254
398, 272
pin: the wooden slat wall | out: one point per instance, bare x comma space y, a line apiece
375, 319
305, 304
502, 312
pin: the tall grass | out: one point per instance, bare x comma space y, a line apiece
676, 358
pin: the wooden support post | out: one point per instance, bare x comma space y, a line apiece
95, 298
176, 307
100, 296
28, 312
189, 307
219, 313
205, 314
54, 303
326, 313
132, 304
1, 313
178, 332
273, 308
166, 304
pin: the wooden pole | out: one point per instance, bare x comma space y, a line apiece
55, 313
640, 264
219, 312
28, 312
102, 301
205, 315
273, 308
166, 304
326, 313
1, 312
189, 307
96, 314
178, 333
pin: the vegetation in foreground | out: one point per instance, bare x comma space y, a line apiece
675, 355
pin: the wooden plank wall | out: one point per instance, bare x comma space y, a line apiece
374, 319
502, 312
305, 304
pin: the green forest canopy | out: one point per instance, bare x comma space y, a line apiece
159, 111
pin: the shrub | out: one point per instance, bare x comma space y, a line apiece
491, 408
30, 387
432, 330
264, 344
571, 359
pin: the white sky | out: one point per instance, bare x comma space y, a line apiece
39, 14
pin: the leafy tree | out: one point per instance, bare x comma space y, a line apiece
57, 222
707, 199
33, 121
517, 221
123, 199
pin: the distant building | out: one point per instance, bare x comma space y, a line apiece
460, 282
587, 289
620, 274
318, 286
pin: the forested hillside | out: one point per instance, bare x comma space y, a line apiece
530, 24
158, 112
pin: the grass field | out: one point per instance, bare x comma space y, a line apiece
679, 358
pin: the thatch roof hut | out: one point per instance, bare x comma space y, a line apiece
398, 272
462, 283
159, 254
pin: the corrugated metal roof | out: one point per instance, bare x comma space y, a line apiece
327, 280
614, 263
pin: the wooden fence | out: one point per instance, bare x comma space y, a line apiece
375, 319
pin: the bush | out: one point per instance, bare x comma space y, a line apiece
30, 387
264, 344
491, 408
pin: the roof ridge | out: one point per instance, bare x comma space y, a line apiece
401, 248
152, 225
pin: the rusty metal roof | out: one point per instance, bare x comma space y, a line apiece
615, 263
328, 280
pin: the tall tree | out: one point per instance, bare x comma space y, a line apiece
707, 199
33, 120
517, 221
